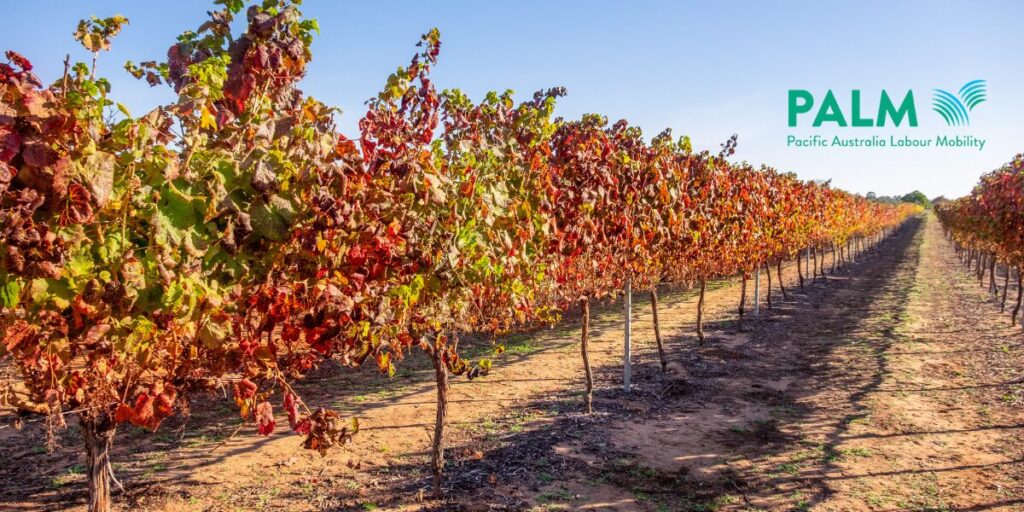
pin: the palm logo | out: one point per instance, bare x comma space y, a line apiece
954, 108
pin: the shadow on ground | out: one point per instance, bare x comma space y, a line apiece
528, 457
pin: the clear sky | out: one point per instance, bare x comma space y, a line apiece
706, 69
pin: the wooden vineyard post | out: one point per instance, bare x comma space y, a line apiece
1020, 295
1006, 288
814, 254
743, 296
799, 270
588, 398
782, 283
979, 269
833, 271
627, 362
757, 290
657, 328
437, 449
700, 311
992, 288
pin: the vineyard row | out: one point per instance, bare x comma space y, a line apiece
234, 238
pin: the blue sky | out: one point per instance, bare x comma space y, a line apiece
703, 69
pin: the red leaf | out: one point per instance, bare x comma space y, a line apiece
38, 154
356, 255
94, 334
17, 333
143, 414
19, 60
245, 388
10, 144
290, 407
124, 413
78, 209
265, 418
164, 405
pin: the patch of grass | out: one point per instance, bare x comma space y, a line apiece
854, 419
858, 452
783, 411
552, 496
726, 499
806, 455
69, 475
874, 500
520, 347
925, 494
831, 454
800, 503
154, 468
641, 471
166, 437
985, 414
199, 441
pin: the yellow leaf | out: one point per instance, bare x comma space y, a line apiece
207, 120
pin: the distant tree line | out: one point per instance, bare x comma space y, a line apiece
916, 197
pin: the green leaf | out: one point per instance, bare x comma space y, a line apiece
235, 6
56, 291
80, 265
212, 335
112, 248
10, 294
173, 295
483, 264
176, 214
415, 287
272, 220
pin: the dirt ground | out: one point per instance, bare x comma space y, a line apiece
894, 384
